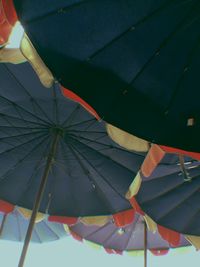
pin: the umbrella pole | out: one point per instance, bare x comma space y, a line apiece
145, 244
183, 169
3, 223
39, 198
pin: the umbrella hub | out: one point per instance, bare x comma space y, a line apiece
58, 130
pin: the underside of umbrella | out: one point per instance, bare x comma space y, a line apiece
128, 56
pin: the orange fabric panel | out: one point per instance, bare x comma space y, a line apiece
6, 207
76, 236
67, 93
159, 252
152, 159
123, 218
63, 219
169, 235
168, 149
136, 206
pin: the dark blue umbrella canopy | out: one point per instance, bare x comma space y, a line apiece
170, 195
89, 173
15, 226
135, 62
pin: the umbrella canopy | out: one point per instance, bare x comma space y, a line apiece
89, 174
128, 56
56, 157
128, 238
169, 193
14, 227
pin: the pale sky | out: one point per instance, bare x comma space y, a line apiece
71, 253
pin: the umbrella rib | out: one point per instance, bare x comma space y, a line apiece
103, 155
72, 115
23, 109
99, 229
36, 233
18, 225
93, 120
20, 135
25, 143
55, 105
184, 73
61, 10
167, 190
5, 175
107, 239
155, 12
132, 232
22, 86
162, 45
12, 117
48, 225
112, 146
177, 204
94, 181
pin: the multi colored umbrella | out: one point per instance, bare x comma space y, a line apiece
130, 238
128, 56
14, 224
52, 147
169, 194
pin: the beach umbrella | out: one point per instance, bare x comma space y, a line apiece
52, 147
131, 238
169, 194
14, 224
134, 66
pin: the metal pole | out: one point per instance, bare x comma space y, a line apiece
39, 198
145, 244
3, 223
186, 176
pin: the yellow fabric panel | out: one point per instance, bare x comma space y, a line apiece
38, 65
27, 214
135, 253
11, 55
134, 187
127, 140
194, 240
93, 245
183, 250
95, 220
151, 225
66, 228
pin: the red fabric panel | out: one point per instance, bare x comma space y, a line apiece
8, 18
136, 206
9, 11
159, 252
76, 236
180, 151
76, 98
109, 250
169, 235
63, 219
123, 218
6, 207
119, 252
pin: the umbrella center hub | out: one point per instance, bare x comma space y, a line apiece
57, 130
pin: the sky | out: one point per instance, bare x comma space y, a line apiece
68, 252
